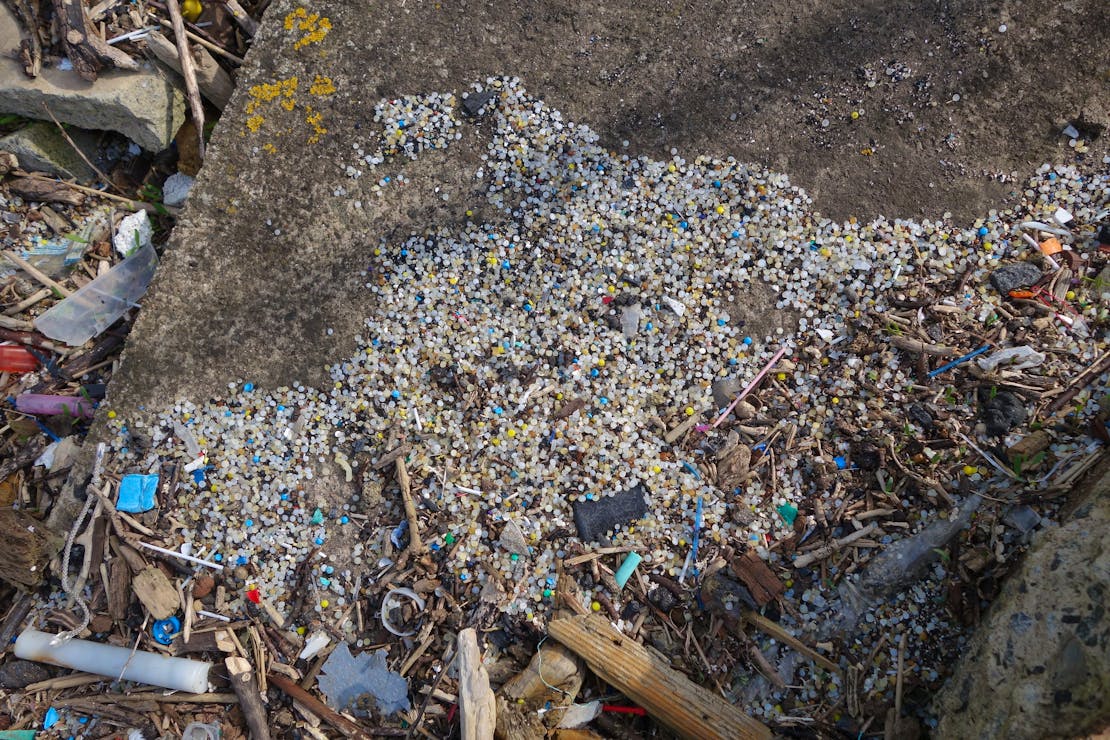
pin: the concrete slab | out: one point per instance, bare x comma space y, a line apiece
267, 258
143, 106
40, 147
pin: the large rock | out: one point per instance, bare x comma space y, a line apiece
142, 106
40, 147
1039, 666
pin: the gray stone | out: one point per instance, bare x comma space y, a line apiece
1017, 275
474, 103
142, 106
1103, 284
176, 189
40, 147
512, 539
1022, 518
1039, 664
724, 391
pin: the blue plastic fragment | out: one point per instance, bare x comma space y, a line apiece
50, 719
691, 470
136, 493
841, 463
958, 361
627, 568
164, 630
398, 533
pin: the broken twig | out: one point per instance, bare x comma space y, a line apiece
188, 71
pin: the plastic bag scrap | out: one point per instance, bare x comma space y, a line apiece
349, 681
1012, 358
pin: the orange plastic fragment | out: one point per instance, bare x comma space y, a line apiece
1051, 246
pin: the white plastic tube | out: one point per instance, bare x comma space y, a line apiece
179, 674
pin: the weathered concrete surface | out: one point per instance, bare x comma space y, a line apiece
267, 257
143, 106
1039, 665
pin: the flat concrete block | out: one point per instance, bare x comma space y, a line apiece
40, 147
143, 106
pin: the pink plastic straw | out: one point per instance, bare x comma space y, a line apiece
748, 389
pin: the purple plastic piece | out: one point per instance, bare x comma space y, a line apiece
43, 405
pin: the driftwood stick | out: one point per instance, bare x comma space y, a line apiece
188, 71
823, 552
84, 47
27, 302
317, 707
215, 49
248, 24
416, 545
390, 457
477, 705
250, 699
448, 658
7, 323
775, 630
73, 145
133, 204
686, 708
1080, 382
760, 660
917, 346
30, 48
140, 697
901, 674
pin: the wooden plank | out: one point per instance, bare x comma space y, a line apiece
477, 706
156, 592
674, 700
